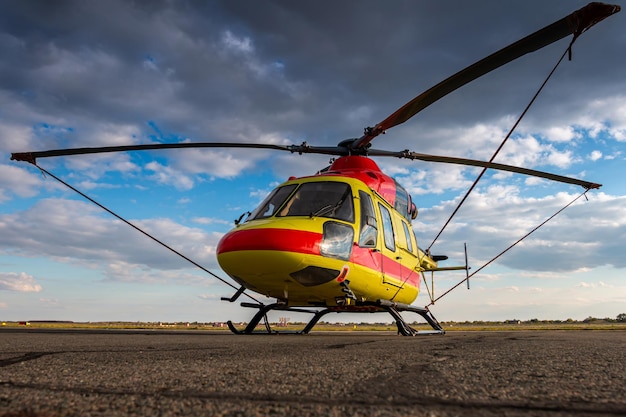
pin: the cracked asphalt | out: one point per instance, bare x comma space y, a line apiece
127, 373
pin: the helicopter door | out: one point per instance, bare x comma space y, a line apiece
368, 234
408, 255
389, 266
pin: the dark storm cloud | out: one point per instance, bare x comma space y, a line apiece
316, 71
383, 55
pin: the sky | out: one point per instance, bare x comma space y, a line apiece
91, 73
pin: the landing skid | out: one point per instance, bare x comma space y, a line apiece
360, 307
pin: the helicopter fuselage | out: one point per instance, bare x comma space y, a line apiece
330, 239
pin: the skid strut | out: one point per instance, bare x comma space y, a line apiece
360, 307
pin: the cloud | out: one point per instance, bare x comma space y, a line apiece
288, 72
18, 182
493, 219
238, 45
74, 231
209, 297
163, 174
436, 180
562, 134
209, 221
598, 284
10, 281
124, 272
609, 108
595, 155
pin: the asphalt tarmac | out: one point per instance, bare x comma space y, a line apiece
148, 373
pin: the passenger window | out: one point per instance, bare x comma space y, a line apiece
402, 200
390, 241
407, 235
369, 225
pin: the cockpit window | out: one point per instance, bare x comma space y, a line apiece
272, 202
369, 225
321, 199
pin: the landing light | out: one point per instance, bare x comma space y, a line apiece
337, 240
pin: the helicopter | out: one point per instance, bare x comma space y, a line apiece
341, 240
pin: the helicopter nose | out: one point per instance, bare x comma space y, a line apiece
257, 252
261, 257
269, 239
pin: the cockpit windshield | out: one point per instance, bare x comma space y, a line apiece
272, 202
321, 199
315, 199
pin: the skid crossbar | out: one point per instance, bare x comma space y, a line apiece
360, 307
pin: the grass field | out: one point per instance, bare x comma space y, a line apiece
323, 326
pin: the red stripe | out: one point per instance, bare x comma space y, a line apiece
377, 261
286, 240
300, 241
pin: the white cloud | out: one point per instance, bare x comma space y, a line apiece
561, 159
595, 155
220, 164
611, 108
562, 134
167, 175
14, 137
15, 181
437, 179
595, 284
494, 218
209, 220
21, 282
73, 232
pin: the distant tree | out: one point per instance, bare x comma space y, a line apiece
621, 317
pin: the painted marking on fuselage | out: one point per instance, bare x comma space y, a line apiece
305, 242
343, 274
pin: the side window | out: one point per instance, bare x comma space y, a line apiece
369, 225
390, 241
407, 235
402, 200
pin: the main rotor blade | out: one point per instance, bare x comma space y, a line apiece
300, 149
32, 156
492, 165
575, 23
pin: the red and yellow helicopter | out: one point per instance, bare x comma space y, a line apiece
341, 240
